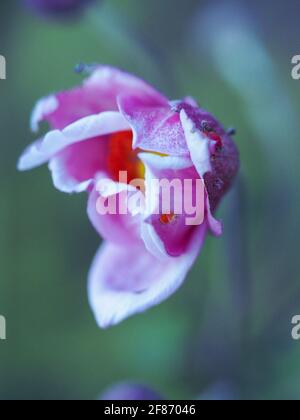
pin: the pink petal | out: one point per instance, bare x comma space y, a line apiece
171, 238
216, 227
117, 228
77, 152
74, 169
56, 141
156, 125
159, 164
32, 156
43, 109
98, 93
198, 144
114, 83
191, 101
124, 281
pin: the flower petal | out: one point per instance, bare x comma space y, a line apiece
156, 125
121, 229
165, 163
216, 227
43, 109
182, 194
124, 281
198, 144
32, 156
97, 94
74, 169
84, 129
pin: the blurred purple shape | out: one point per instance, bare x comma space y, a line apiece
220, 391
129, 392
58, 8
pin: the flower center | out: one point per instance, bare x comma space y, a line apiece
123, 158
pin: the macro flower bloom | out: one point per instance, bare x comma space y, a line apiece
57, 8
116, 122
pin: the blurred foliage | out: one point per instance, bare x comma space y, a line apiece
230, 323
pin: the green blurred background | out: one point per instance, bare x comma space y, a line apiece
227, 332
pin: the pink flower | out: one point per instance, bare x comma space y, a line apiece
115, 122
